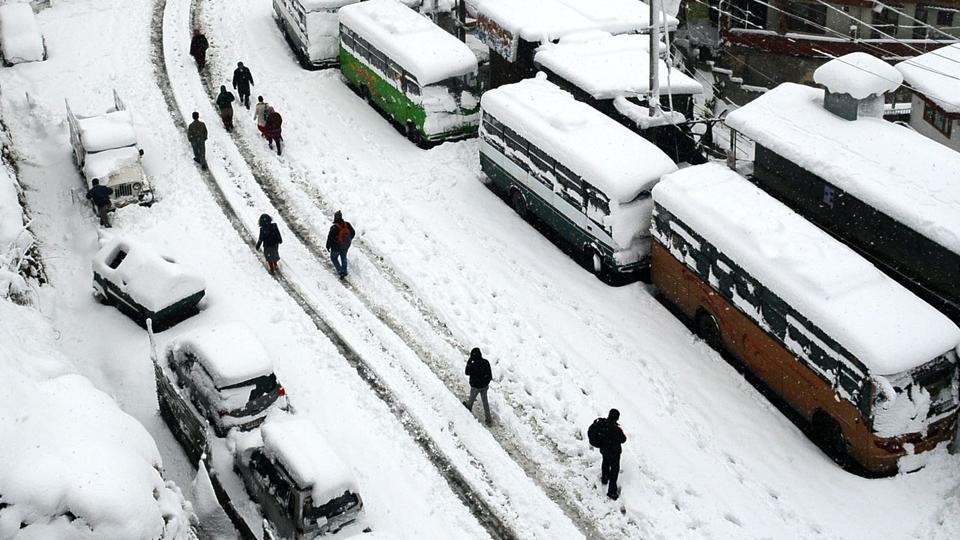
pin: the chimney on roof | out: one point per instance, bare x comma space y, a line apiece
855, 85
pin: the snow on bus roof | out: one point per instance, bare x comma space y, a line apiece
604, 153
301, 449
317, 5
229, 352
413, 41
887, 328
607, 66
936, 75
546, 20
905, 175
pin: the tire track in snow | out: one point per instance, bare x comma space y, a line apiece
485, 514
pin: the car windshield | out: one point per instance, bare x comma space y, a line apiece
907, 401
331, 508
241, 398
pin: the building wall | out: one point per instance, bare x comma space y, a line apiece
923, 127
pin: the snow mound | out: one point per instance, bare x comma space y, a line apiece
858, 74
20, 36
107, 131
887, 328
936, 75
308, 458
229, 352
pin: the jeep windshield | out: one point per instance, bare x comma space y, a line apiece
332, 508
250, 397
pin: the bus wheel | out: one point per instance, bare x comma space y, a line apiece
413, 134
594, 261
518, 203
828, 434
364, 93
708, 330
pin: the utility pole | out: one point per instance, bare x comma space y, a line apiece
462, 20
654, 100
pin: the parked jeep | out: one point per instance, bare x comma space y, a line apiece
144, 284
302, 487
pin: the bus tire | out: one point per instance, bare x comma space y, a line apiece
413, 134
708, 329
829, 436
518, 203
364, 93
594, 261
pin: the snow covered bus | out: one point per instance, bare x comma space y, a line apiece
868, 364
401, 63
312, 29
574, 169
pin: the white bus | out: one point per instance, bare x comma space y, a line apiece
312, 28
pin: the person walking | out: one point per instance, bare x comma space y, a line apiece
198, 48
607, 435
197, 135
225, 104
100, 195
338, 242
260, 115
270, 239
478, 369
272, 128
242, 81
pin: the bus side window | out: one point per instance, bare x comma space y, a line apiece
543, 165
518, 145
598, 207
570, 186
410, 85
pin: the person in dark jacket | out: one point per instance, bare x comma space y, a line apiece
242, 81
270, 240
197, 135
338, 242
100, 195
225, 104
613, 439
198, 48
478, 369
272, 129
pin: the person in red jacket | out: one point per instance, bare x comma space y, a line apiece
338, 242
272, 129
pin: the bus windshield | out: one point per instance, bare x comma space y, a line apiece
907, 402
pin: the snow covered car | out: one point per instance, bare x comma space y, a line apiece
227, 376
105, 147
144, 284
20, 37
302, 486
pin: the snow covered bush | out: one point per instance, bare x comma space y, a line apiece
19, 259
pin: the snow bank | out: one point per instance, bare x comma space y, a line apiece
107, 131
20, 36
410, 39
608, 66
885, 326
230, 352
74, 465
858, 74
604, 153
15, 240
308, 458
155, 281
936, 75
903, 174
549, 20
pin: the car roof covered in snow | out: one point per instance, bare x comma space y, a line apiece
609, 156
20, 35
316, 5
103, 164
107, 131
421, 47
936, 75
153, 280
229, 352
608, 66
887, 327
858, 74
905, 175
304, 453
547, 20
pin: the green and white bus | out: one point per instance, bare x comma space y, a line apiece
574, 169
403, 64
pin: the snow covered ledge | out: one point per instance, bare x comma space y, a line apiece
856, 83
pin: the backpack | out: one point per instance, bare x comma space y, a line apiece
597, 433
344, 235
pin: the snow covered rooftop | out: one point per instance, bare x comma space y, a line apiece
603, 152
609, 66
303, 452
858, 74
229, 352
905, 175
884, 325
20, 35
546, 20
410, 39
153, 280
936, 75
107, 131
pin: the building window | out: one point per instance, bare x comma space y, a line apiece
885, 24
936, 118
944, 18
806, 18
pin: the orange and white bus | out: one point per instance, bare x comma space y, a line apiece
868, 364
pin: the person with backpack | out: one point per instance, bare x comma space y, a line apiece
478, 369
242, 80
225, 104
338, 242
260, 115
607, 435
272, 128
100, 195
198, 48
271, 240
197, 135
